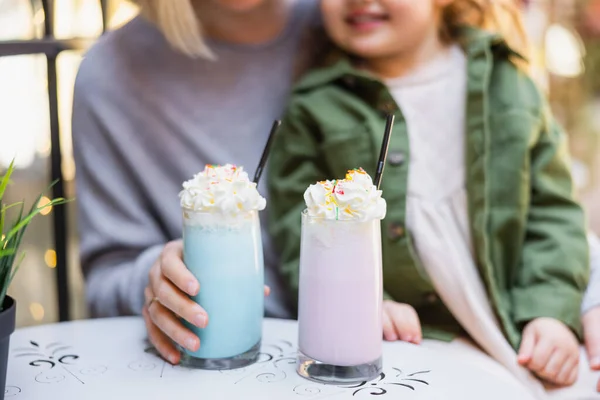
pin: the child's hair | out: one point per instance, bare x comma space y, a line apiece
178, 22
499, 16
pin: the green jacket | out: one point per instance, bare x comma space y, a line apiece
528, 231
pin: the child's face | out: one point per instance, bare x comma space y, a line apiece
380, 28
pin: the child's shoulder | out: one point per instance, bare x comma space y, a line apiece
327, 88
324, 77
510, 84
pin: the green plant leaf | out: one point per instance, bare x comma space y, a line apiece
7, 262
9, 206
11, 242
3, 210
10, 277
6, 178
18, 221
16, 268
24, 222
6, 252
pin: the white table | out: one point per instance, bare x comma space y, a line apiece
110, 359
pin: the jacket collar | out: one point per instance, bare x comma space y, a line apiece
475, 42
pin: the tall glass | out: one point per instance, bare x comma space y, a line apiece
340, 300
225, 255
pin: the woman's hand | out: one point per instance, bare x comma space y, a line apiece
167, 300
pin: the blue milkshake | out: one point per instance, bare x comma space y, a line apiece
223, 249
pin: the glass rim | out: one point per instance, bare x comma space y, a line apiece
344, 221
217, 213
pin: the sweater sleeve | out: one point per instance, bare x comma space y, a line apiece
119, 238
592, 294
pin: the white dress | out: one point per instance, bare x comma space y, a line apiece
433, 101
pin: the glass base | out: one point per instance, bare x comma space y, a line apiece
239, 361
318, 371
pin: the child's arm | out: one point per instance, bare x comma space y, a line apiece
554, 266
548, 288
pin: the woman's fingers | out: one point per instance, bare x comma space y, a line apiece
179, 303
167, 300
172, 327
168, 293
160, 341
173, 268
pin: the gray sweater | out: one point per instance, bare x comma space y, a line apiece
146, 118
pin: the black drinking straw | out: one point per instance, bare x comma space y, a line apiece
265, 154
389, 124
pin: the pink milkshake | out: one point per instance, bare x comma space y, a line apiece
340, 298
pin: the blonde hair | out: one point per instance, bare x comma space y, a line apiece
179, 23
498, 16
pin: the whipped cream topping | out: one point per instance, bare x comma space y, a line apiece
352, 199
223, 189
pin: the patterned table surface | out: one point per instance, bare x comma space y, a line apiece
110, 359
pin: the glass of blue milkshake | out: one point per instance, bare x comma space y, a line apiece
223, 249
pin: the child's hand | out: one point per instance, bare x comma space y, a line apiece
400, 321
551, 351
591, 330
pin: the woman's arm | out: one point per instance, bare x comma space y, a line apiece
119, 238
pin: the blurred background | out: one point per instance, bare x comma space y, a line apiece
26, 104
41, 51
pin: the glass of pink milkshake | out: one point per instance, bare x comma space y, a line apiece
341, 289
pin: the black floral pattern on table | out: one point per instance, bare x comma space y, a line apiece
57, 361
273, 363
375, 387
273, 366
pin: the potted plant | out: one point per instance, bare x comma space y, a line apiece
11, 234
